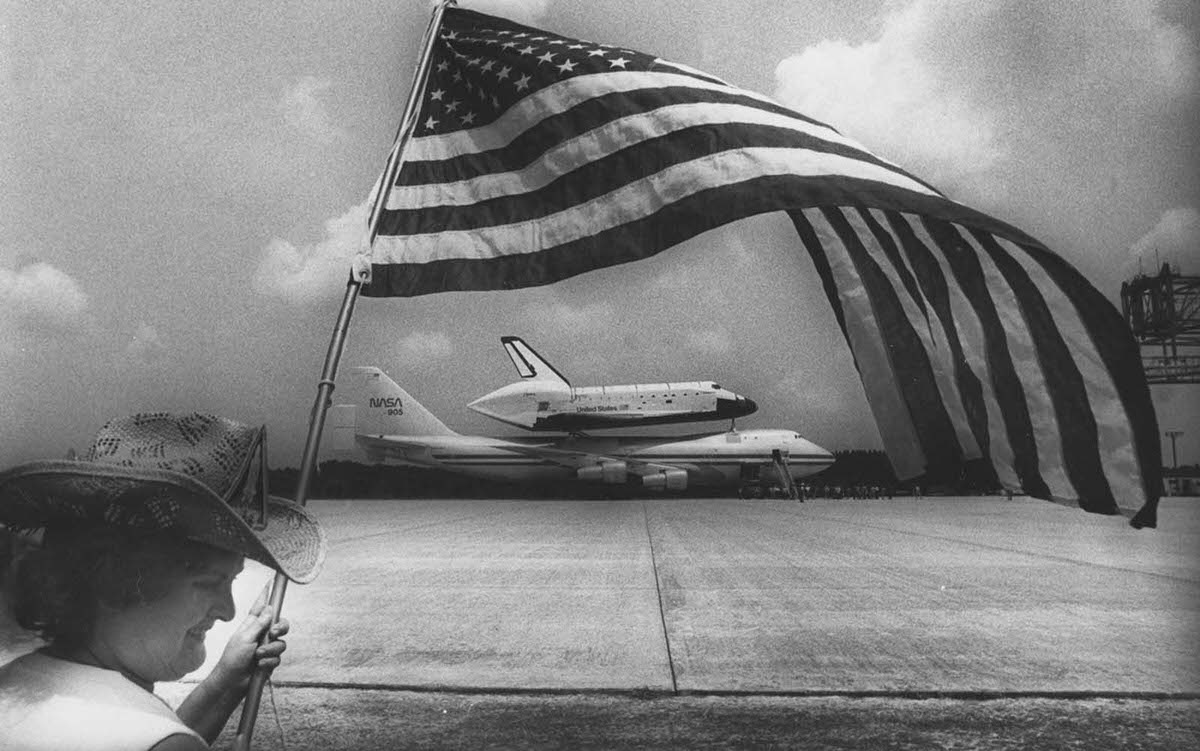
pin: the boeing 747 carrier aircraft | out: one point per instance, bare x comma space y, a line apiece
392, 427
545, 400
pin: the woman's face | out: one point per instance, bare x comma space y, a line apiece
163, 640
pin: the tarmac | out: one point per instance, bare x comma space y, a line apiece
712, 623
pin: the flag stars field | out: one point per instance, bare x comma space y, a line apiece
556, 57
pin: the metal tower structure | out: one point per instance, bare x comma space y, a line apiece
1163, 312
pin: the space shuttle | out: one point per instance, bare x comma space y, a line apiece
391, 427
544, 400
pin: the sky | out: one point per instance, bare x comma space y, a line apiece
182, 185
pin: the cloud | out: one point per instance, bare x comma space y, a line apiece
932, 126
313, 272
576, 319
425, 345
146, 346
953, 89
38, 298
1175, 239
303, 110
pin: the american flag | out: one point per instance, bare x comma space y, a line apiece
537, 157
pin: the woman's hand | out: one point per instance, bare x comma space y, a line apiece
208, 707
245, 652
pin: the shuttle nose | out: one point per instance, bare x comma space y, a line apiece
735, 407
482, 405
485, 405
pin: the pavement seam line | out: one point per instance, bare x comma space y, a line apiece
662, 615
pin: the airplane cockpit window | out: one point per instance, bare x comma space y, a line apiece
715, 386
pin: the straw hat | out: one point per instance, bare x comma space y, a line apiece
194, 476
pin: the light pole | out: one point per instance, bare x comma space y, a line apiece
1173, 434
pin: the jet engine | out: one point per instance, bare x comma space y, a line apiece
607, 472
669, 479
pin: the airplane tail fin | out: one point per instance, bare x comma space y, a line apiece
529, 363
383, 408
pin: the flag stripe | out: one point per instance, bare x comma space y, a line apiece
886, 244
863, 332
934, 342
669, 160
934, 289
906, 357
977, 379
790, 180
603, 126
1073, 431
1115, 433
537, 264
1122, 359
660, 64
1048, 447
968, 276
811, 243
565, 96
917, 352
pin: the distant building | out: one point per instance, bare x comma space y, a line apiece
1181, 481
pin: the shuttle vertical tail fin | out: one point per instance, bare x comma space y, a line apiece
530, 364
386, 409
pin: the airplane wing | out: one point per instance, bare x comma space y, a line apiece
578, 458
396, 447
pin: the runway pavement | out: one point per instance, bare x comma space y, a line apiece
761, 612
593, 609
919, 596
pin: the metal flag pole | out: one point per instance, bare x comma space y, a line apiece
325, 386
408, 121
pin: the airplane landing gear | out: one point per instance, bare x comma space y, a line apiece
759, 482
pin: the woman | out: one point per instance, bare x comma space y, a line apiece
141, 543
